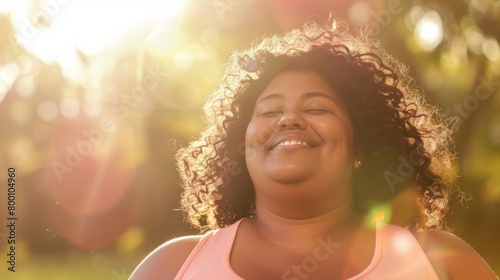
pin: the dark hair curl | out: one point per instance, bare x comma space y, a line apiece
403, 141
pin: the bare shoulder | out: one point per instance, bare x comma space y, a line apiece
166, 260
452, 257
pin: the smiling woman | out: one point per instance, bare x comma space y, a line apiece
299, 129
307, 133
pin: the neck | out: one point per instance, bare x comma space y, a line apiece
335, 224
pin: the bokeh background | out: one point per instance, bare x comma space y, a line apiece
97, 96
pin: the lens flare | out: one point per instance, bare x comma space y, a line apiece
429, 31
378, 213
88, 170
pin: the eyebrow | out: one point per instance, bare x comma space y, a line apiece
304, 95
270, 96
307, 95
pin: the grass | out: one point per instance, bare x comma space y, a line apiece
74, 266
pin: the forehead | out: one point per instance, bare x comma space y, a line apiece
298, 83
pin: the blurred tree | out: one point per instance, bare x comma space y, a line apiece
451, 47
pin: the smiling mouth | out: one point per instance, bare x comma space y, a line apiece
291, 143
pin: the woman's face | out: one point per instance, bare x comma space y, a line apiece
299, 135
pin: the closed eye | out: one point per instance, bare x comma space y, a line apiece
270, 113
318, 111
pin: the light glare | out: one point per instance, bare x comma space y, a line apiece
69, 107
8, 75
359, 13
429, 31
474, 41
491, 49
183, 61
88, 26
47, 110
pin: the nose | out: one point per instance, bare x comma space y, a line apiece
291, 120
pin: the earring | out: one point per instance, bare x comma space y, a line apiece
357, 164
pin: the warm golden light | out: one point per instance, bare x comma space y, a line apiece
47, 110
8, 75
88, 26
359, 13
491, 49
379, 213
429, 31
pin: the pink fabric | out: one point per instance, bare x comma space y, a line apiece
398, 255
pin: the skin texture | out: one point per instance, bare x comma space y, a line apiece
291, 180
304, 191
453, 258
166, 260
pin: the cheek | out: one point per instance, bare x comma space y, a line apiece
338, 133
249, 135
250, 143
257, 134
348, 137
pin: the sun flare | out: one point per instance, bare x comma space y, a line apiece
54, 30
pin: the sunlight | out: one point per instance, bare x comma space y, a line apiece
429, 31
378, 213
55, 30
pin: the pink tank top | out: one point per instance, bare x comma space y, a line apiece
398, 255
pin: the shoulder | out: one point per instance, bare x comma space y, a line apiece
166, 260
452, 257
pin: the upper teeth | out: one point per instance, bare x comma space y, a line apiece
292, 142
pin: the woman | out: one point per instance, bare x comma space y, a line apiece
307, 133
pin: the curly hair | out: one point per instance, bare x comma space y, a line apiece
403, 141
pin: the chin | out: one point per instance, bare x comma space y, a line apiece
289, 175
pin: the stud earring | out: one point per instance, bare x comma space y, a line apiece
357, 164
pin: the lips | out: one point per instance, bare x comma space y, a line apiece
291, 140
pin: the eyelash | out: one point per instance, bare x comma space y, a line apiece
277, 112
317, 111
270, 113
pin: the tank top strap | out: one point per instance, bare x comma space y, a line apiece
398, 255
211, 256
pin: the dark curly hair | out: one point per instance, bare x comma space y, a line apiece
403, 142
